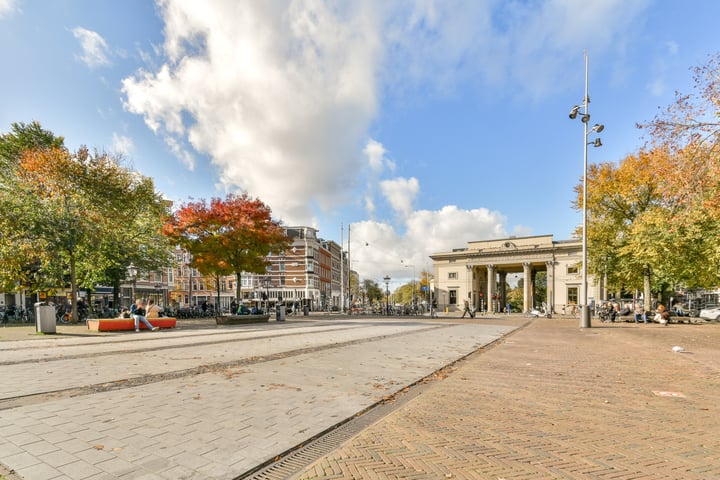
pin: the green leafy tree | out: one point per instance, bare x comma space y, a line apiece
83, 215
23, 137
22, 262
373, 291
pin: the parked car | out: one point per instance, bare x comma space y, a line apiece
710, 313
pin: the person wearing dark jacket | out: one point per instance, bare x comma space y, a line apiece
139, 316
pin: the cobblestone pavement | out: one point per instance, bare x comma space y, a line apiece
202, 402
553, 401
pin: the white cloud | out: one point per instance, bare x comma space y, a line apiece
375, 153
122, 145
7, 7
281, 97
95, 48
378, 249
401, 193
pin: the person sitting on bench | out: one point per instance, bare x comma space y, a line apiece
139, 316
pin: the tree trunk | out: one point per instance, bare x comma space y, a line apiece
218, 311
73, 290
647, 294
238, 287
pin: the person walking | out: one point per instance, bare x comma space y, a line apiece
467, 309
139, 316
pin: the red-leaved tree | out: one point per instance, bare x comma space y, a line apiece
227, 236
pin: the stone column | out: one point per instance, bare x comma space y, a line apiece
492, 287
502, 294
527, 295
550, 285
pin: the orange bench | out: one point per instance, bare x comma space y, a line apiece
109, 324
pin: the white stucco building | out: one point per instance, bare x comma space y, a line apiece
479, 272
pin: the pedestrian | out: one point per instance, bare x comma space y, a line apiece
508, 308
467, 309
139, 316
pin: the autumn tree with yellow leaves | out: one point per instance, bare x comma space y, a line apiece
654, 217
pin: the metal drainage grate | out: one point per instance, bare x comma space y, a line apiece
296, 459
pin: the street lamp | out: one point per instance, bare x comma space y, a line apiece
132, 273
387, 294
597, 128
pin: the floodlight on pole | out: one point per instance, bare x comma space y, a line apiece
597, 128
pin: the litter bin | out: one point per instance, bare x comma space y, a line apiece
306, 310
44, 318
280, 313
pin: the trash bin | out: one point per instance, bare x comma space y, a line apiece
306, 310
44, 318
280, 313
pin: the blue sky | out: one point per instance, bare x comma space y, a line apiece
423, 124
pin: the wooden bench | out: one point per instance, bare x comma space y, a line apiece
110, 324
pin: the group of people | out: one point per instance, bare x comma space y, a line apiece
140, 312
242, 309
610, 312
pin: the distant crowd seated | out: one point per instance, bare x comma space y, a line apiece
243, 310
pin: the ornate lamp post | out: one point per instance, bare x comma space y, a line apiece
597, 128
387, 294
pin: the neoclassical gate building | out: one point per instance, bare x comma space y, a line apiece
479, 272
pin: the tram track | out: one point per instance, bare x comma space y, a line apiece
154, 347
215, 367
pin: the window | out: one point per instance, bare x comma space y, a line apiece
452, 276
453, 297
572, 295
572, 269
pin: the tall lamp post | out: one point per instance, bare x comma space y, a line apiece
584, 113
387, 294
132, 273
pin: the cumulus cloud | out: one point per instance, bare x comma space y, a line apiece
378, 249
122, 145
401, 193
375, 153
95, 48
281, 96
279, 99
